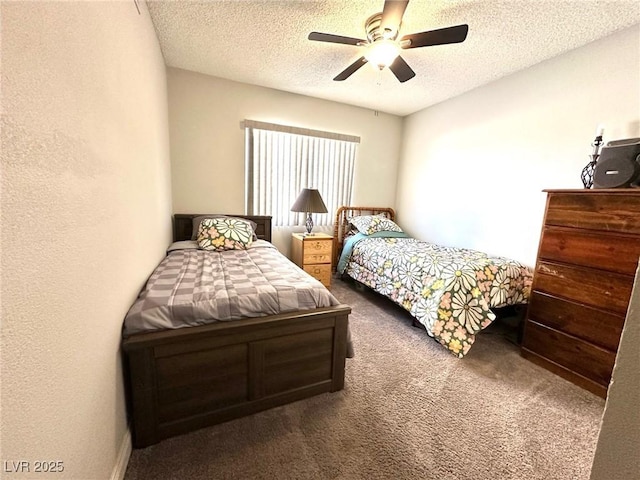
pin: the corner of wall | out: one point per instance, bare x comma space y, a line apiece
124, 454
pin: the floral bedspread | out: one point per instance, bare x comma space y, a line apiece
449, 290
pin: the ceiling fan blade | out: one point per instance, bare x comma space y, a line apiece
350, 70
442, 36
401, 69
328, 37
392, 14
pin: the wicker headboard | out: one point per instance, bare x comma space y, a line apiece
183, 225
341, 224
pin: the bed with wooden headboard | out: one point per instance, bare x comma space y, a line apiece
183, 379
450, 291
342, 227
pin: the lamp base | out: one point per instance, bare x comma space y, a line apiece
309, 224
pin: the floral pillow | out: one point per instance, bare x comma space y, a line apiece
369, 224
224, 233
197, 220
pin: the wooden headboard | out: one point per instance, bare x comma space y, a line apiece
341, 224
183, 225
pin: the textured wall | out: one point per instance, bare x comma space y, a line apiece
617, 455
86, 205
473, 168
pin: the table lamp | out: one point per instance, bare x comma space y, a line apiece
309, 201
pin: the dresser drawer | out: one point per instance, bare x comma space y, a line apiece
604, 290
577, 355
596, 326
613, 252
613, 212
321, 272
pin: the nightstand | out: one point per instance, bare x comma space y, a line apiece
313, 253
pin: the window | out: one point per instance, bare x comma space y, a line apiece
281, 161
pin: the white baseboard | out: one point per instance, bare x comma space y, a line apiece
122, 461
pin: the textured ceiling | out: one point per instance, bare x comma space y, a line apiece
265, 43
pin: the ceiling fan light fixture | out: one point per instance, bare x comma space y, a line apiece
382, 46
382, 53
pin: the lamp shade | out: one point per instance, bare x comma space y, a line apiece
309, 201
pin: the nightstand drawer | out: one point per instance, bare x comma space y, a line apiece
320, 272
316, 258
317, 247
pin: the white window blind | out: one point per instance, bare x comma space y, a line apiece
281, 161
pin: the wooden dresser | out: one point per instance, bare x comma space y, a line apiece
313, 253
587, 259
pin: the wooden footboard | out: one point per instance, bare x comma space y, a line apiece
182, 380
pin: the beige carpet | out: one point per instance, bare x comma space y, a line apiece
409, 410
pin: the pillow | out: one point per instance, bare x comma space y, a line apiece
369, 224
224, 233
196, 224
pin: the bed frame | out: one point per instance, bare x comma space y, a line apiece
341, 225
185, 379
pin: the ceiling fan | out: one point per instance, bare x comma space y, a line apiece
383, 47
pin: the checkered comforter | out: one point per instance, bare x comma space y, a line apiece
194, 287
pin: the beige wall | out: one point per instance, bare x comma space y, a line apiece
86, 205
207, 143
473, 167
617, 454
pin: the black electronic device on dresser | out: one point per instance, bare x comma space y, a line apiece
587, 260
618, 165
